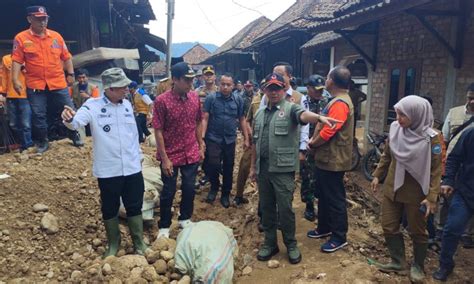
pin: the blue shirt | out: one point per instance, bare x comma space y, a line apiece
224, 114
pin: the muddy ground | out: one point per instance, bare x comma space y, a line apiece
61, 179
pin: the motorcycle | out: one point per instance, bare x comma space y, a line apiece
372, 158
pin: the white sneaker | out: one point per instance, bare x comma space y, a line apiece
163, 233
184, 223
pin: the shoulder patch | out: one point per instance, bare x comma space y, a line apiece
436, 149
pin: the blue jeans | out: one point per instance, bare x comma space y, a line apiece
40, 102
19, 115
188, 178
459, 215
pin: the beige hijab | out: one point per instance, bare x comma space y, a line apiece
411, 147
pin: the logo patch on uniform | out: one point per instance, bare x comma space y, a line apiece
103, 110
27, 43
55, 44
106, 128
436, 149
281, 113
126, 109
292, 99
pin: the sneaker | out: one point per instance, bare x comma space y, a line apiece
238, 200
163, 233
203, 180
314, 234
184, 223
332, 246
42, 147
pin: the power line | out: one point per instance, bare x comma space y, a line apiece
207, 18
250, 9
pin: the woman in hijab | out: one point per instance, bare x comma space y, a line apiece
412, 162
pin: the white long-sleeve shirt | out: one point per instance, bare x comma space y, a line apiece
304, 131
116, 150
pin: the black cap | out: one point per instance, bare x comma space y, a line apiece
316, 81
208, 69
274, 79
182, 69
36, 11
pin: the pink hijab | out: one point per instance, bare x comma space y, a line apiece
411, 147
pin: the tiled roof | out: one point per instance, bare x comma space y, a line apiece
196, 54
370, 8
300, 15
244, 37
321, 39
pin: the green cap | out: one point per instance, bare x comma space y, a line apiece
114, 78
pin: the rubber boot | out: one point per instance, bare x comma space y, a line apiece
417, 271
396, 248
113, 236
135, 224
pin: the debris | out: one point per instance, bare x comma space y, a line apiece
273, 263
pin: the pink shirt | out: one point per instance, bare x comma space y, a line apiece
178, 119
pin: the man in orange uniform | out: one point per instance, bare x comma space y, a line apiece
19, 111
45, 56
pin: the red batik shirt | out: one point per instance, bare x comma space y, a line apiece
178, 118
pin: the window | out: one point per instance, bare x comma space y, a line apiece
404, 80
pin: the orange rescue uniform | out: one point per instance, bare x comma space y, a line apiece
7, 83
43, 57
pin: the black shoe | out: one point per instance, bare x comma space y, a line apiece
467, 242
211, 196
442, 274
265, 253
42, 147
225, 201
310, 215
240, 200
76, 139
204, 180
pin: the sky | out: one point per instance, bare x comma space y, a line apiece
212, 21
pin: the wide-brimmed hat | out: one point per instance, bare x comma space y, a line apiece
114, 78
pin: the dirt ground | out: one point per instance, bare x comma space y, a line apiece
62, 180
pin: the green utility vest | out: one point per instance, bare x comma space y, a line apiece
336, 154
76, 97
283, 140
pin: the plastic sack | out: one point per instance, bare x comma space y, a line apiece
205, 250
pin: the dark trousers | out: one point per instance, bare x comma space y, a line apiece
188, 178
129, 188
42, 101
459, 215
143, 131
216, 154
19, 115
332, 211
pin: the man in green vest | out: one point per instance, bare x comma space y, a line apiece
332, 157
274, 163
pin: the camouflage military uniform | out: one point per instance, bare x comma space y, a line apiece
308, 189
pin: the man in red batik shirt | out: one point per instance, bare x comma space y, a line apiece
178, 132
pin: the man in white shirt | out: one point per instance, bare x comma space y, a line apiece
117, 156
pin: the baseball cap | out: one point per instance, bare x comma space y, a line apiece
36, 11
114, 78
208, 69
316, 81
182, 69
133, 85
248, 83
274, 79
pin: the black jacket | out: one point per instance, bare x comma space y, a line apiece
460, 167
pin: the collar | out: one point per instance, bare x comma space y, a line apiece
289, 92
220, 95
277, 106
46, 33
107, 101
178, 96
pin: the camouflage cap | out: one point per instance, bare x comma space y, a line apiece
114, 78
